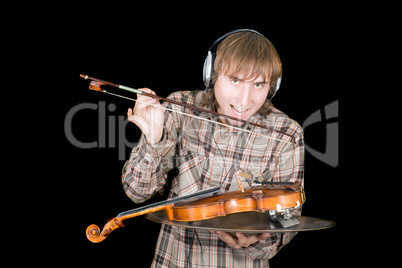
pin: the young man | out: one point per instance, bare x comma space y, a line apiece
244, 78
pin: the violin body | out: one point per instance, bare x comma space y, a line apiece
259, 199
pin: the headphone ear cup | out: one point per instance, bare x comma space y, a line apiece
273, 89
278, 84
208, 69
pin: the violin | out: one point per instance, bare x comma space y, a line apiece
209, 204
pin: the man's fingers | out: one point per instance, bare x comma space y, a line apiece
263, 236
228, 239
129, 112
144, 98
243, 240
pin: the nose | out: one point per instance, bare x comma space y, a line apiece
243, 97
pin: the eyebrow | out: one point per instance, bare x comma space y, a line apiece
242, 80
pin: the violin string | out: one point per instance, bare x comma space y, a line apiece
200, 118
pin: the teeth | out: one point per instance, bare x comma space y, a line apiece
238, 110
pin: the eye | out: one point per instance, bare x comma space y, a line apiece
235, 81
258, 85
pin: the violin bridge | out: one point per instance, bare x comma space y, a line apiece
240, 184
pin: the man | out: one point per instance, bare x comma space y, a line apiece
244, 76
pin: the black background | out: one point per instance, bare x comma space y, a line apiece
165, 51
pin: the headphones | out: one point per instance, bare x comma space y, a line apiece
209, 61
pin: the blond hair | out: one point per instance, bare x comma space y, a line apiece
248, 55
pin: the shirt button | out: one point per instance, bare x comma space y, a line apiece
204, 250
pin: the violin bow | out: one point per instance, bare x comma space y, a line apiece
96, 84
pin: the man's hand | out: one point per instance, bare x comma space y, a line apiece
148, 118
240, 241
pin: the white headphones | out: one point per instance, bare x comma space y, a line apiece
209, 62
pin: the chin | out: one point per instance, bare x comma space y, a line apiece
237, 123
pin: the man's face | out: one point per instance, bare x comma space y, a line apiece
240, 98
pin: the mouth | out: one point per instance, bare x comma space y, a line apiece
238, 110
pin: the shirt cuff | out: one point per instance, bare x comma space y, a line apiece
153, 150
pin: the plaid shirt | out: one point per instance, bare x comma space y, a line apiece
211, 155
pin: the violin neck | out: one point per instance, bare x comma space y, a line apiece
144, 210
166, 204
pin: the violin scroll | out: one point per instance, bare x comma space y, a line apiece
95, 235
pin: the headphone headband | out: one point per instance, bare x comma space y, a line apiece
217, 41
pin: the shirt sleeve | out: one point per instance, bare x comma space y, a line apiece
145, 173
290, 164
